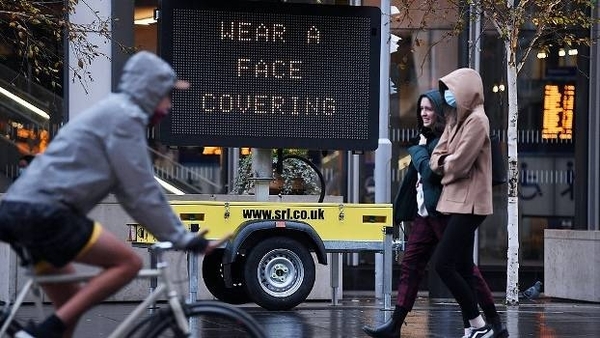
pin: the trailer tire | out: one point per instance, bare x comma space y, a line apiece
212, 274
279, 273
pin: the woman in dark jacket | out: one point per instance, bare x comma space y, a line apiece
416, 202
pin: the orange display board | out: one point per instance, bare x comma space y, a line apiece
559, 110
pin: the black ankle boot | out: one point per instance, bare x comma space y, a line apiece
389, 329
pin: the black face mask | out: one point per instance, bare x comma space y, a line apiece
158, 115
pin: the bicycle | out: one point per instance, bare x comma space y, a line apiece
178, 319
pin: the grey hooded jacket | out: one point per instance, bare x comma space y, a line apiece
104, 150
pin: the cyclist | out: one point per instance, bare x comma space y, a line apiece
103, 150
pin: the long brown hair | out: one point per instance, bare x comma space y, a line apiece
439, 124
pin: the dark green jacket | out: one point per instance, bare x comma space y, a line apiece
405, 202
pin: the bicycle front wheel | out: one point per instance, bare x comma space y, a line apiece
207, 319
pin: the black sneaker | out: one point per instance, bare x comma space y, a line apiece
500, 330
482, 332
32, 331
26, 332
14, 327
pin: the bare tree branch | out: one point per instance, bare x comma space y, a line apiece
35, 31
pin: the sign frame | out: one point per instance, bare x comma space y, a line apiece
353, 126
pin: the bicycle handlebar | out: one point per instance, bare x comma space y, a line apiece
157, 249
161, 246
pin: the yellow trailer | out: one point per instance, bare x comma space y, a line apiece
268, 259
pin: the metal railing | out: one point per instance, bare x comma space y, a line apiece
182, 176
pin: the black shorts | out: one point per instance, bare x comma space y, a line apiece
48, 233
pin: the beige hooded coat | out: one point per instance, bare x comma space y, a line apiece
463, 153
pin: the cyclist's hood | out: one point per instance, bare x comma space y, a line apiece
147, 79
467, 87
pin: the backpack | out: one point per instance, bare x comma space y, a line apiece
499, 174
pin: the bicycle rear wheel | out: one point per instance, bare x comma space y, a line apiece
206, 319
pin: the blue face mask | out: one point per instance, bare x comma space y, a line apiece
449, 98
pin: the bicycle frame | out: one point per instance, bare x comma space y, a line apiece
164, 287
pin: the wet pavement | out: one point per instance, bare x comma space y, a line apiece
544, 317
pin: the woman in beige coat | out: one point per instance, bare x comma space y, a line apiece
463, 158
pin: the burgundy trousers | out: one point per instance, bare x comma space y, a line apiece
425, 233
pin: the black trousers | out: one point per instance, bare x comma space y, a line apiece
455, 260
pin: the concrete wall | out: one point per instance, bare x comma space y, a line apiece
114, 218
572, 264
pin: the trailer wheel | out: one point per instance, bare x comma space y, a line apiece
212, 274
279, 273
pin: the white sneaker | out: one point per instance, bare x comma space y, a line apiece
467, 333
482, 332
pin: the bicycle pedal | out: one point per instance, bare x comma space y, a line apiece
13, 328
23, 334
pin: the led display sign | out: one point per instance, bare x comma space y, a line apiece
272, 75
559, 108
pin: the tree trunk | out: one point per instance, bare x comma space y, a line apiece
512, 264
